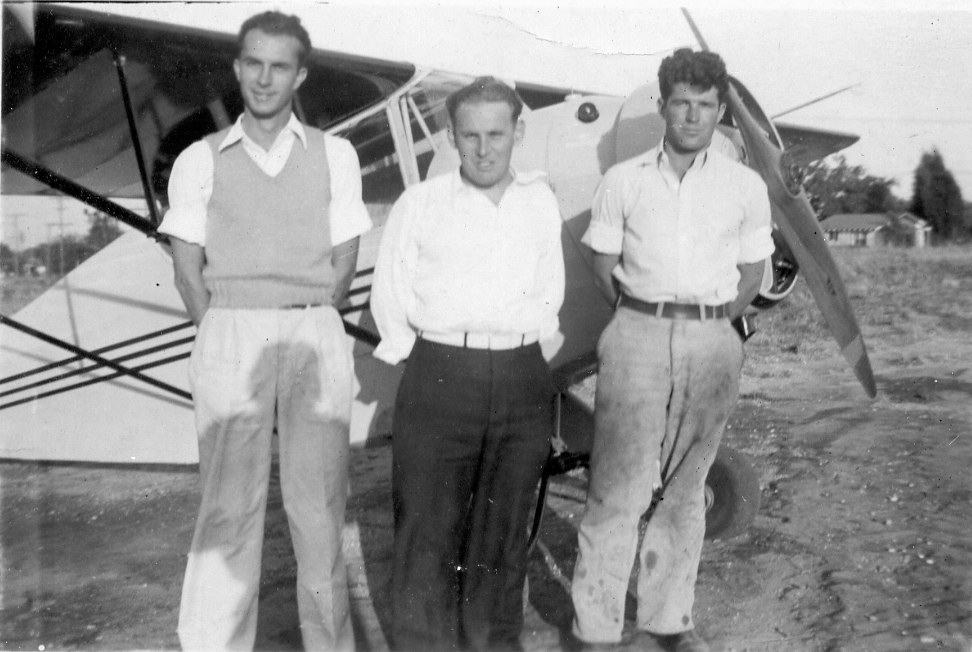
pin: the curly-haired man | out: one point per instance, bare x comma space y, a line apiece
680, 235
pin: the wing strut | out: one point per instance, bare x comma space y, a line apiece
136, 141
68, 187
122, 370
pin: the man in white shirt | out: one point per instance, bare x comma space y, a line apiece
264, 225
469, 279
680, 235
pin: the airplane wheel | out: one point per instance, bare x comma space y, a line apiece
784, 269
731, 495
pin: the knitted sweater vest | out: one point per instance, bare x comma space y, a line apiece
268, 239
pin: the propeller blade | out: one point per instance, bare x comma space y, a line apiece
797, 222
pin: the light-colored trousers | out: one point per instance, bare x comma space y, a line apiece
247, 365
665, 389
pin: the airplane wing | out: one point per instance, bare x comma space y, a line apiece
65, 110
804, 145
97, 107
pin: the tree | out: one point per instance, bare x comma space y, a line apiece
8, 259
103, 230
62, 255
835, 187
937, 197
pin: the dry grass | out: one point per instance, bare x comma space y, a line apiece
898, 296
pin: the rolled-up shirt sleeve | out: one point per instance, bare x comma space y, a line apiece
190, 188
605, 234
755, 234
348, 215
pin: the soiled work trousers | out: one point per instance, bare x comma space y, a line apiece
471, 434
665, 389
245, 365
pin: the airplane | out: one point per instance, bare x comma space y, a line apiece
96, 106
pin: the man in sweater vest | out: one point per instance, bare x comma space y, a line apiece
264, 223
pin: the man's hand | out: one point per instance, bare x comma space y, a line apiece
750, 280
604, 265
189, 260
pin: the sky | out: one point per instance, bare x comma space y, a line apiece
910, 63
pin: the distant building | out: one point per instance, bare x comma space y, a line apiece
876, 230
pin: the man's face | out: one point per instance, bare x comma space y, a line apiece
269, 72
691, 115
484, 133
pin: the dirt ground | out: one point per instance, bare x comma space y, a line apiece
863, 540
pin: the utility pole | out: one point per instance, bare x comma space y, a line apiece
47, 248
60, 243
18, 239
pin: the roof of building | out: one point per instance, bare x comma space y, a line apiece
913, 220
856, 223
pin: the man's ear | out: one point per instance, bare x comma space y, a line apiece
452, 134
301, 76
519, 131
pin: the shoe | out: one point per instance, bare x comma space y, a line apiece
689, 641
574, 644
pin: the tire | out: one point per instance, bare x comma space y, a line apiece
731, 495
783, 270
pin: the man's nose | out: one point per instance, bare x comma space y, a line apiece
264, 77
482, 147
693, 113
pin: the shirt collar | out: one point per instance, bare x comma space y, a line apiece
237, 134
657, 156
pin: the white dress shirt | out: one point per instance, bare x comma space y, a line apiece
681, 240
451, 261
191, 182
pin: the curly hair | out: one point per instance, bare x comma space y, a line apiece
276, 23
484, 89
699, 69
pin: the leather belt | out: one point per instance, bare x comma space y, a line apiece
301, 306
488, 341
669, 310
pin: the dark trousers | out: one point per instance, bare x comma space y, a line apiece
471, 434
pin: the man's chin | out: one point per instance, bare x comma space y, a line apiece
483, 183
261, 114
693, 146
262, 111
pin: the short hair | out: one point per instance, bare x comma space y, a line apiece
484, 89
698, 69
277, 23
